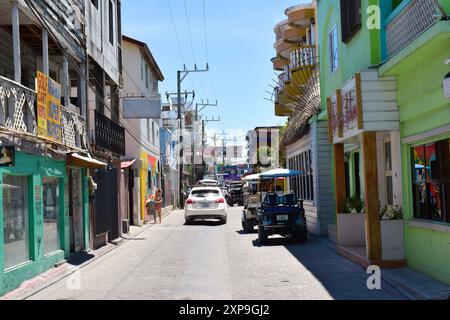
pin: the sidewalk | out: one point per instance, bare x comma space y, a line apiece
74, 264
412, 284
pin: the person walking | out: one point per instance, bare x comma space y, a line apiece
155, 203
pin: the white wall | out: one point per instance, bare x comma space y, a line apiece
98, 44
135, 85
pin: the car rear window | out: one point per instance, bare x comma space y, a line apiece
205, 193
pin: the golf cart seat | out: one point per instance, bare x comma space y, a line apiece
271, 200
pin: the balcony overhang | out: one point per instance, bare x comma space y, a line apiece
282, 110
284, 48
279, 63
433, 40
294, 34
300, 16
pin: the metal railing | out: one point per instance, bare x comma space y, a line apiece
408, 22
17, 115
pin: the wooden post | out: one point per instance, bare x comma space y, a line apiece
373, 225
339, 172
359, 101
340, 113
330, 121
45, 59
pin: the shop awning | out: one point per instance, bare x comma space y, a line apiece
127, 164
78, 160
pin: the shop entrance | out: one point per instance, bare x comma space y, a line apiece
76, 211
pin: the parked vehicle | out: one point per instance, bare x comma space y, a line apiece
283, 216
236, 195
281, 212
252, 203
205, 203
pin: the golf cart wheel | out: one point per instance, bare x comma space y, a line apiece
248, 228
301, 235
262, 236
188, 221
224, 220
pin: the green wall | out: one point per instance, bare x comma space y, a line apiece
419, 69
36, 168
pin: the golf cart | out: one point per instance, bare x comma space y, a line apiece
236, 194
252, 203
281, 214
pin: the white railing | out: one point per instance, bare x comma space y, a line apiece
74, 130
17, 105
303, 57
407, 24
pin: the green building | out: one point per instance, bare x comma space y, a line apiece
417, 50
382, 76
44, 158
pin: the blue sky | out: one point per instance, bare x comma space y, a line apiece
240, 45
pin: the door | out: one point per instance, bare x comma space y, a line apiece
76, 212
106, 203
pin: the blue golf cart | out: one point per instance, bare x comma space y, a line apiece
281, 214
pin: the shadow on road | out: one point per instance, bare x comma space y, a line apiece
205, 223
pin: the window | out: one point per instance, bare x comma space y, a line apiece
334, 49
142, 68
350, 18
147, 76
15, 220
153, 132
431, 181
111, 22
51, 215
303, 185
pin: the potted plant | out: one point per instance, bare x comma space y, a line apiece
392, 234
351, 223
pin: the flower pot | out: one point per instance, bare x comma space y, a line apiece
351, 230
392, 239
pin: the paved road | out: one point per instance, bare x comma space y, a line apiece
213, 261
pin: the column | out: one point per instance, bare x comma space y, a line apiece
45, 63
16, 42
373, 225
66, 81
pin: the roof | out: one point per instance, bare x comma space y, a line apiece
148, 54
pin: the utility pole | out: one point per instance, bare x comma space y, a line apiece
204, 124
197, 112
224, 147
181, 75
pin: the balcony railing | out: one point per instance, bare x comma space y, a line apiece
17, 115
303, 57
17, 107
408, 22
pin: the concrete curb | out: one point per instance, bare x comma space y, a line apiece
67, 274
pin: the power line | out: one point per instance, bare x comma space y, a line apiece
206, 37
189, 30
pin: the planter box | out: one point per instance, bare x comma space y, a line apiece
392, 239
351, 230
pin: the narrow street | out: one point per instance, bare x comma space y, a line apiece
212, 261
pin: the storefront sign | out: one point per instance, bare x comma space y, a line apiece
48, 108
7, 156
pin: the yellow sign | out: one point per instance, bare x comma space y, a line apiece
48, 108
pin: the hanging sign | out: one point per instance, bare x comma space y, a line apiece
48, 108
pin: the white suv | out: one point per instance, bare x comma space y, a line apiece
206, 203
